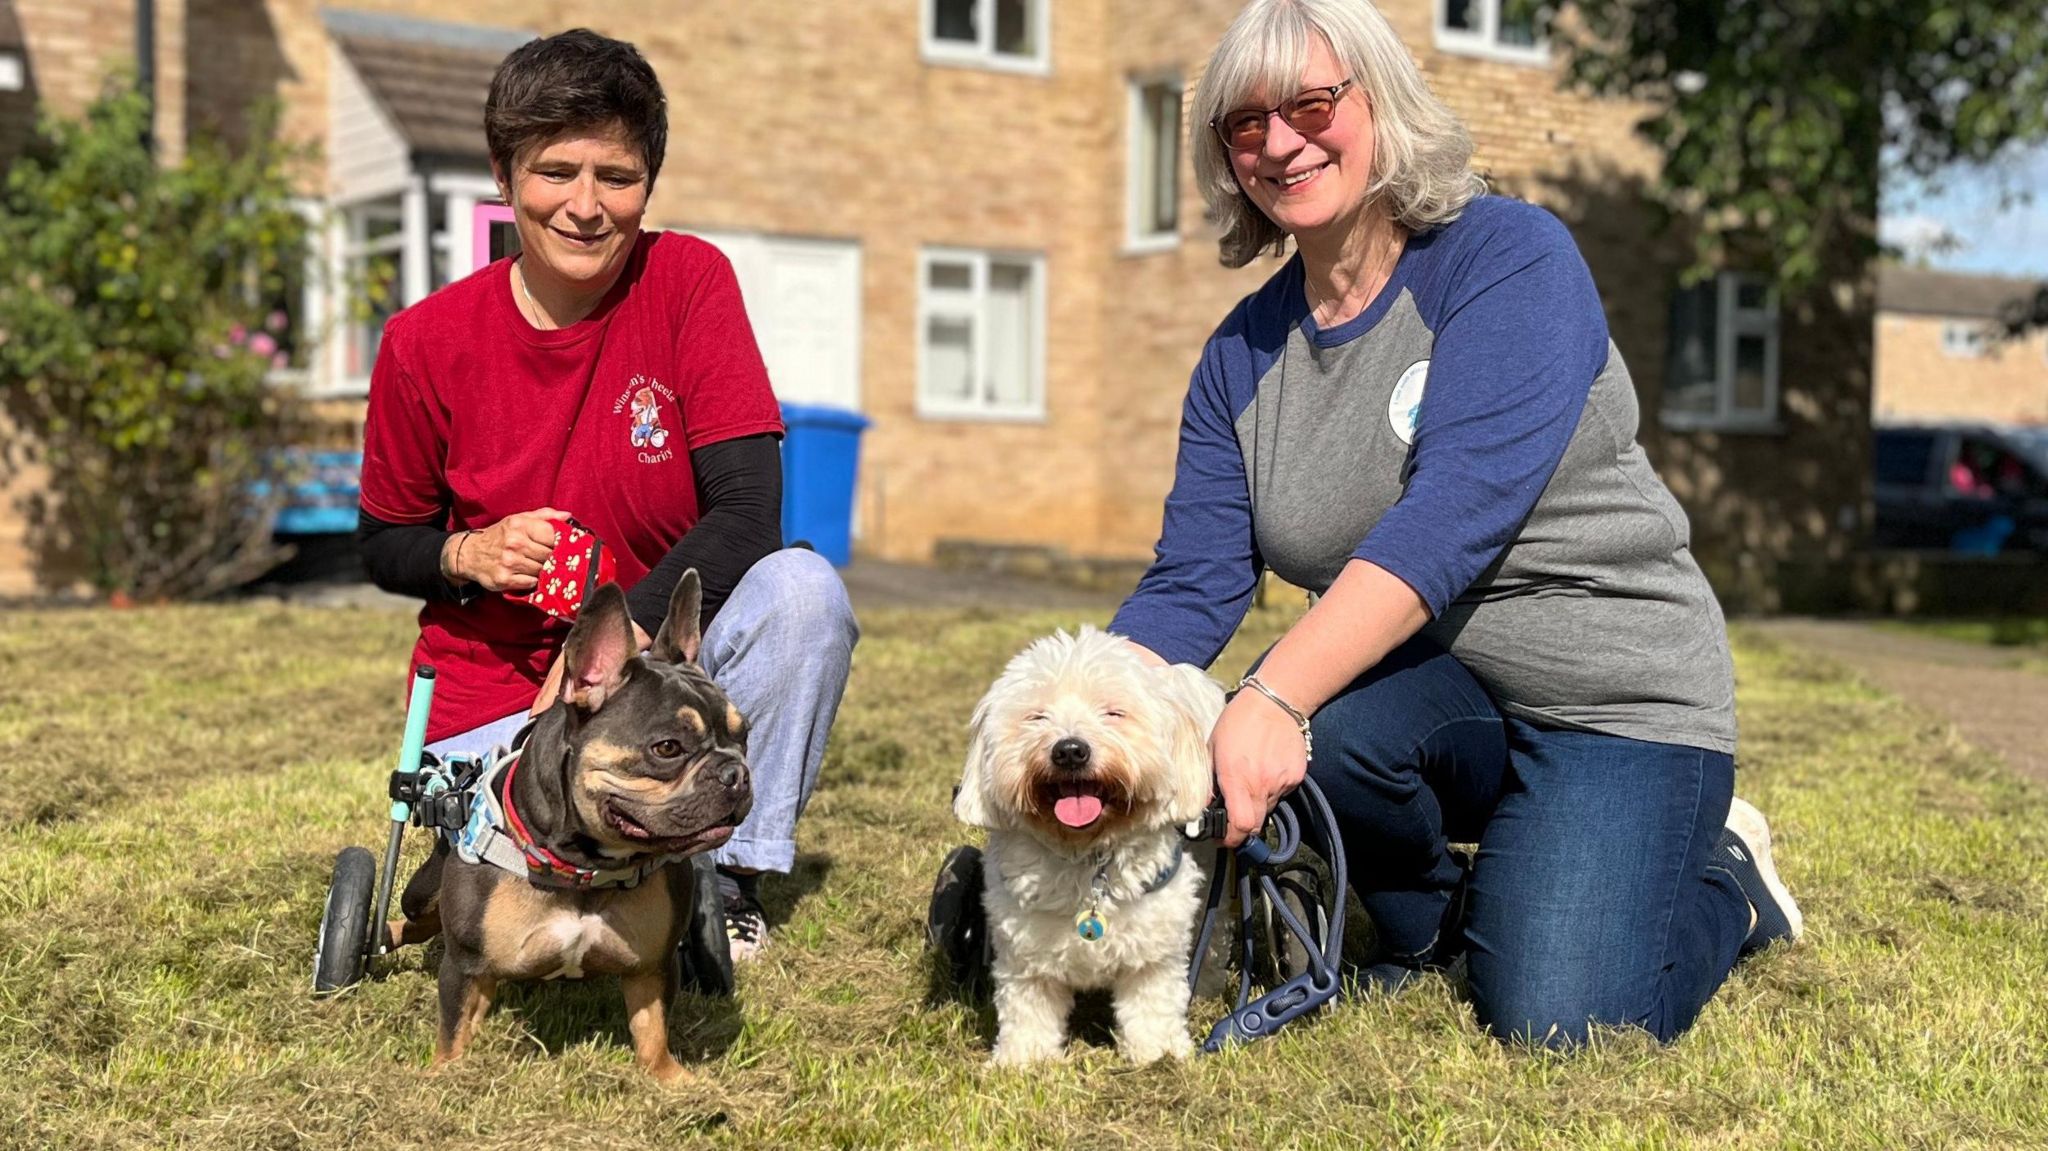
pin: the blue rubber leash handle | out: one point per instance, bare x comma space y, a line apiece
1253, 869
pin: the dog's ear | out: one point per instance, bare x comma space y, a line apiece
1194, 701
970, 803
595, 654
678, 639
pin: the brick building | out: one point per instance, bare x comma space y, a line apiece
973, 221
1941, 353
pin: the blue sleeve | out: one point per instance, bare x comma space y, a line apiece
1520, 337
1205, 567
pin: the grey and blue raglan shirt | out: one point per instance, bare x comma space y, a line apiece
1473, 432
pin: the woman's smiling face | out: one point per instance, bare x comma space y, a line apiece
1305, 183
577, 201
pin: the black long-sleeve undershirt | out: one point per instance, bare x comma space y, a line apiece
739, 489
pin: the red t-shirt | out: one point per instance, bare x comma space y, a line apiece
475, 415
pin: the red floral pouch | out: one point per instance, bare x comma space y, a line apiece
578, 564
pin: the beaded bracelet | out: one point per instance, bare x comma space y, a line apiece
1308, 742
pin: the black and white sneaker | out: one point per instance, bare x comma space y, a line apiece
1744, 853
746, 928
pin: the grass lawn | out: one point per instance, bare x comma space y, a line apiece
174, 784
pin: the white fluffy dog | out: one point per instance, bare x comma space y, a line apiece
1084, 764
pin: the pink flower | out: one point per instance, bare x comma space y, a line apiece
263, 344
280, 362
238, 335
276, 322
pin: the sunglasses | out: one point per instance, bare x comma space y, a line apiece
1245, 128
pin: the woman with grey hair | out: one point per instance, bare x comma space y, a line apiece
1420, 418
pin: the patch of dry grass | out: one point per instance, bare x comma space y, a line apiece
156, 928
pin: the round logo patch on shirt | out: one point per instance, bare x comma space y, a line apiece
647, 431
1407, 401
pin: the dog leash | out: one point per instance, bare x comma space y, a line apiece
1261, 870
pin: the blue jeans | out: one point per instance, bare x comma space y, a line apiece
1589, 900
781, 647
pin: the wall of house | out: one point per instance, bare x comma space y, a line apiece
1916, 379
878, 147
883, 149
21, 481
71, 45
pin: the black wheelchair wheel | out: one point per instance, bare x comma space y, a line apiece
705, 951
345, 926
956, 924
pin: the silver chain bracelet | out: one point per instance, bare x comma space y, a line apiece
1308, 742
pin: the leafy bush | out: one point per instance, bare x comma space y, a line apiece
138, 319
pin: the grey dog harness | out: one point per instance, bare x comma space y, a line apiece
495, 834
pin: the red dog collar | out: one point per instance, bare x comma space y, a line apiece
548, 869
578, 564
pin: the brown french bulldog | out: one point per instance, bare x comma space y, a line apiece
641, 757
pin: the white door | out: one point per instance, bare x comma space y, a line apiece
803, 297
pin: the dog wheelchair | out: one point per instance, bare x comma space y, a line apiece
1290, 910
430, 793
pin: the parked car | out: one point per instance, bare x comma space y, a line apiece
1977, 488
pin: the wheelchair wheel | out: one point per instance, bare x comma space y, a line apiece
705, 951
344, 927
956, 925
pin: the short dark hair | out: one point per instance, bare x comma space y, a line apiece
574, 80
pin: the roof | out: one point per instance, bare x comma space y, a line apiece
10, 28
431, 77
1926, 291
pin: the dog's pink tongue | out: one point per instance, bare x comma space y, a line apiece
1078, 810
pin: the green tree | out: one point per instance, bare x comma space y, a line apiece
1776, 118
138, 321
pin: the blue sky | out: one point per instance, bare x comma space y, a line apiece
1995, 239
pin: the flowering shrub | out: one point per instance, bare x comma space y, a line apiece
138, 323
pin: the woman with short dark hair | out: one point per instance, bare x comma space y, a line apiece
607, 374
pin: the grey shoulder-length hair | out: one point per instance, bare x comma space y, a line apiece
1422, 155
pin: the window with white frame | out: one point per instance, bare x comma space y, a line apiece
1965, 339
981, 335
1500, 29
373, 245
1154, 212
995, 33
383, 253
1723, 367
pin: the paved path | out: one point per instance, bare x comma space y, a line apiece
876, 584
1995, 704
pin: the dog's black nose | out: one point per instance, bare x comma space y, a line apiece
1070, 754
731, 774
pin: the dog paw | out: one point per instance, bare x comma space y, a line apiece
1152, 1049
671, 1074
1022, 1054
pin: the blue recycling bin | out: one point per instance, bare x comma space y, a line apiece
820, 459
